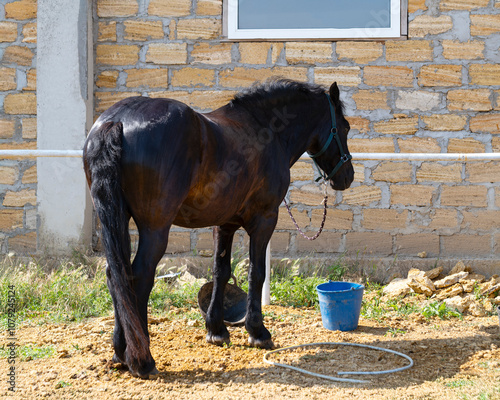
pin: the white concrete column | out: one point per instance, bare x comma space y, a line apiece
64, 115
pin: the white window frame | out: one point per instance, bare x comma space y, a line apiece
232, 32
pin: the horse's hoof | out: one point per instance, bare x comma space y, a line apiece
217, 339
153, 374
117, 360
267, 344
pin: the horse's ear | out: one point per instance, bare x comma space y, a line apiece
334, 92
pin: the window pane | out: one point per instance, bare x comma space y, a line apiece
307, 14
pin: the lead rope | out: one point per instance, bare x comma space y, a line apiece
325, 202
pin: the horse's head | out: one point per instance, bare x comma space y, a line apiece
329, 150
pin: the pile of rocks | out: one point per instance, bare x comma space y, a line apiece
460, 289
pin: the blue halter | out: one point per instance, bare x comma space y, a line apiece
333, 134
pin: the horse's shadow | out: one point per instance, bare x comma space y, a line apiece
433, 359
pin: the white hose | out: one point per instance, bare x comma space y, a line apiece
332, 378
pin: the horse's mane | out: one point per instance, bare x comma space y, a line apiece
275, 91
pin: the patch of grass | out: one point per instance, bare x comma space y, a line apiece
297, 291
29, 352
69, 292
440, 310
166, 295
459, 383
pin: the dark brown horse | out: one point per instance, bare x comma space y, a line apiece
161, 163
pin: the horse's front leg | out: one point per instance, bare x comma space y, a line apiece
260, 236
223, 240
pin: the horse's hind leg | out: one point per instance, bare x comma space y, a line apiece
152, 246
223, 240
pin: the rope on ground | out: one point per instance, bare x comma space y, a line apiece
332, 378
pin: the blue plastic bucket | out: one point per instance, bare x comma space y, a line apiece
340, 305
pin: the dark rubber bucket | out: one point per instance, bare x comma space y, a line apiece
235, 303
340, 305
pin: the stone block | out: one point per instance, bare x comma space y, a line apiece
411, 245
104, 100
484, 24
358, 123
167, 53
178, 242
436, 172
201, 99
209, 7
451, 5
106, 31
31, 79
450, 280
397, 288
20, 103
469, 100
280, 242
147, 78
343, 75
376, 145
412, 195
419, 145
7, 128
19, 55
327, 242
362, 195
8, 79
442, 219
308, 52
408, 51
456, 50
276, 51
8, 31
487, 123
416, 5
397, 126
107, 79
244, 77
384, 219
29, 33
20, 198
422, 285
484, 172
29, 127
254, 52
370, 99
335, 219
8, 175
440, 75
444, 122
359, 52
171, 8
117, 8
306, 196
199, 28
285, 222
420, 100
423, 25
21, 10
11, 219
143, 30
451, 291
464, 196
23, 243
485, 74
467, 145
388, 76
368, 243
394, 172
302, 171
29, 176
206, 53
193, 77
117, 54
481, 220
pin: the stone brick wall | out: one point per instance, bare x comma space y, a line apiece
18, 125
438, 91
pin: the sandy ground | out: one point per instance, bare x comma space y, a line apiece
454, 359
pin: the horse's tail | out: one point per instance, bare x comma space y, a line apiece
102, 157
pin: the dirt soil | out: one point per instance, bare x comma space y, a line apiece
454, 359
